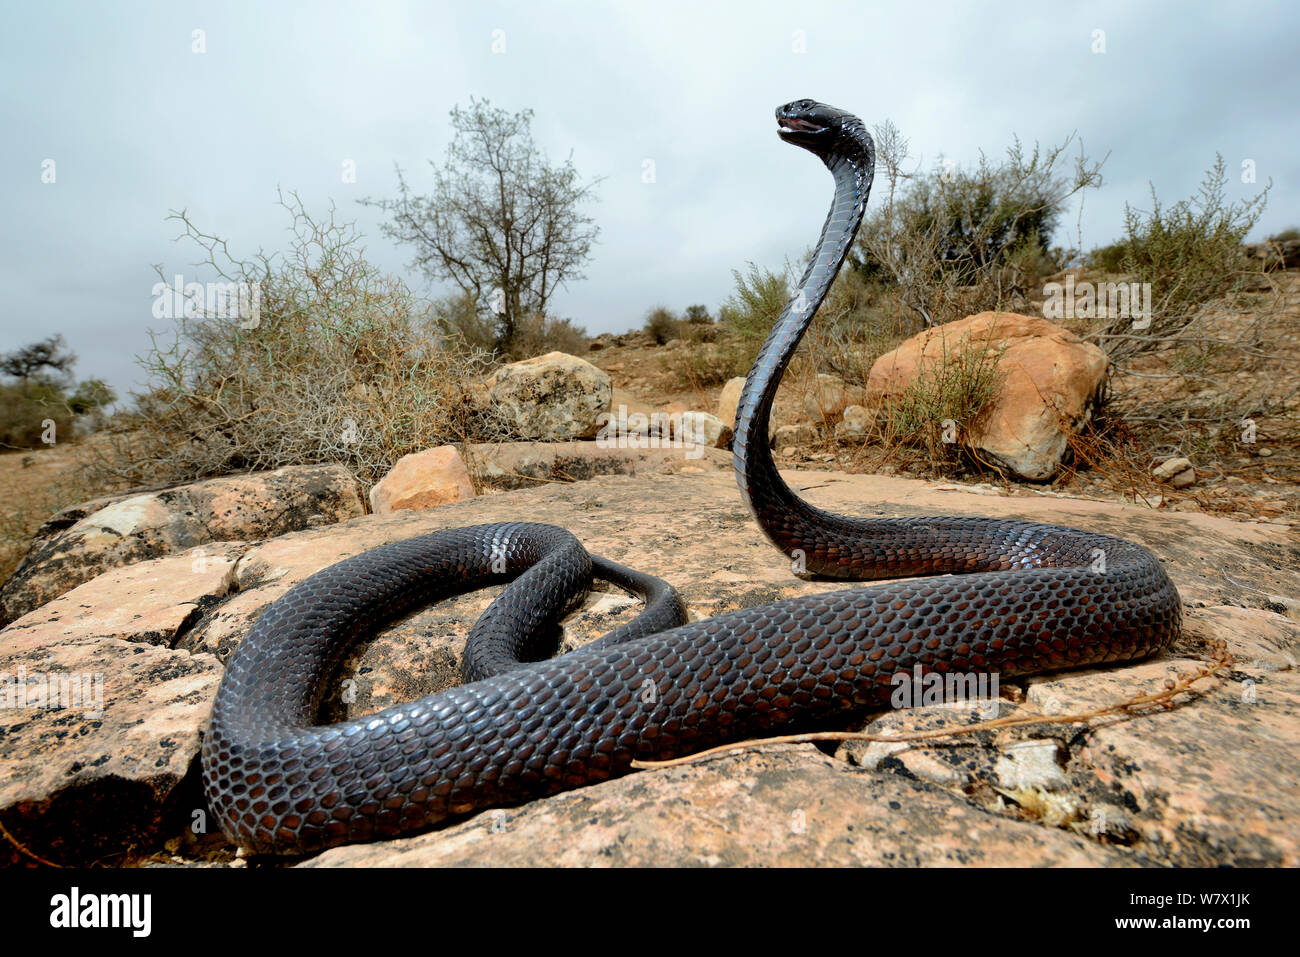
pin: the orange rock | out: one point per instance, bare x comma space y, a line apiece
423, 480
1049, 378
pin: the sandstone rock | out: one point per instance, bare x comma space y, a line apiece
729, 399
778, 806
1050, 377
701, 428
551, 397
789, 436
77, 544
1169, 468
638, 416
1174, 788
1184, 479
95, 768
423, 480
855, 423
828, 398
514, 465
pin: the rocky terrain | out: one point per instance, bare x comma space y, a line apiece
126, 608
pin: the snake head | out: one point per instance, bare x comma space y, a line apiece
816, 127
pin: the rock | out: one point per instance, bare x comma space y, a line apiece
777, 806
1183, 479
423, 480
514, 465
789, 436
828, 398
638, 416
729, 399
90, 775
1276, 253
78, 543
1169, 468
1178, 787
701, 428
1050, 378
855, 423
551, 397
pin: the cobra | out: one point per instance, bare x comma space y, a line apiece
1006, 597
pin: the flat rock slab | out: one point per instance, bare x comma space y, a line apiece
79, 543
1135, 785
778, 806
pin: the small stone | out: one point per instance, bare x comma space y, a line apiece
1170, 468
788, 436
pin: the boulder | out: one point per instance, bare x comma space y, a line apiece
551, 397
702, 428
730, 399
828, 397
423, 480
1049, 379
855, 423
789, 436
83, 541
1177, 472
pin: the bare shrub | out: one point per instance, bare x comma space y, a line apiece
954, 242
342, 364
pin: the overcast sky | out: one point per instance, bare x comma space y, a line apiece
138, 124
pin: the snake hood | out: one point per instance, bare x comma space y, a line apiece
821, 129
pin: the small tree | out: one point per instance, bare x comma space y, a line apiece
698, 315
502, 223
31, 359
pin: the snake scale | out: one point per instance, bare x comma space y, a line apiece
1013, 598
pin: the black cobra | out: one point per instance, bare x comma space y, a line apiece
1030, 598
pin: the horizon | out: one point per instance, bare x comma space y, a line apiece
139, 123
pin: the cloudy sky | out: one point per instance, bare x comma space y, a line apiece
137, 123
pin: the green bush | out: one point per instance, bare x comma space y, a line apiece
698, 314
30, 414
661, 324
755, 305
1189, 252
1291, 232
952, 242
955, 389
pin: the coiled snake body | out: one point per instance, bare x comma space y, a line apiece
1030, 598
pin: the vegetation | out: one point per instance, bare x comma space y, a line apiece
41, 406
502, 223
661, 324
1190, 253
342, 363
950, 242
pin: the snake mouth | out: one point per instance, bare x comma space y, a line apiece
794, 125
